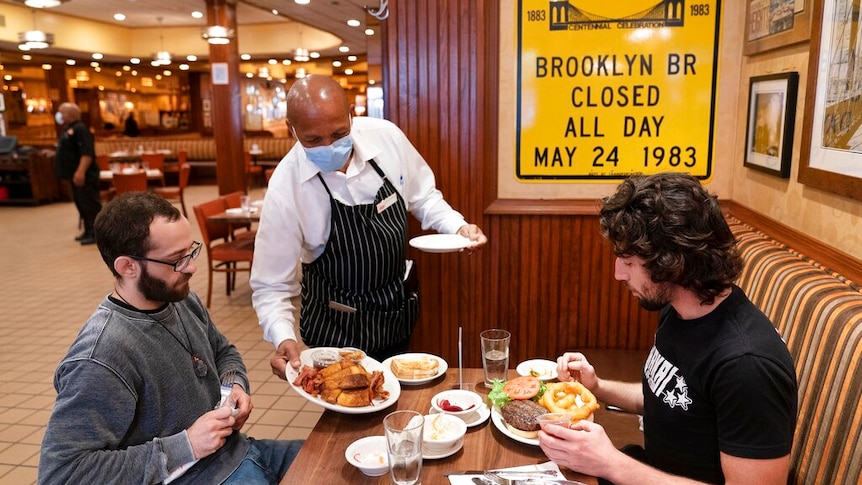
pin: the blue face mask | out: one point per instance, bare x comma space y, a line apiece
331, 157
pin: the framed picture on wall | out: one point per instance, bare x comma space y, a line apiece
770, 24
831, 156
771, 116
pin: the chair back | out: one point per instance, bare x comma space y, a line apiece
182, 157
211, 231
154, 160
185, 172
232, 200
130, 182
104, 162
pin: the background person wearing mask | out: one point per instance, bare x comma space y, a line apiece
337, 205
76, 161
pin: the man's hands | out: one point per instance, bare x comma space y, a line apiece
574, 366
78, 178
243, 404
209, 432
287, 353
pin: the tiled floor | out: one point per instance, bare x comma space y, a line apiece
49, 285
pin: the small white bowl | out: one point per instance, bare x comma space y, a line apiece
457, 402
442, 432
369, 455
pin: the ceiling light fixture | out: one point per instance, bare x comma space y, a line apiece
216, 34
301, 53
162, 57
34, 39
43, 3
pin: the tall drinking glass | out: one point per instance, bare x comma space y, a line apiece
495, 354
404, 445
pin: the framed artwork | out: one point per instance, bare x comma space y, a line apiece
770, 24
831, 156
771, 116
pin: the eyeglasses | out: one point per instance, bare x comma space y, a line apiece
179, 264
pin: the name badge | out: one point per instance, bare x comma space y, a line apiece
385, 203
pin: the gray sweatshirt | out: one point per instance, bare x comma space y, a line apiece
126, 392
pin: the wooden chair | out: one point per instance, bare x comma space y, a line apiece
154, 161
176, 192
130, 182
104, 162
225, 256
232, 201
252, 172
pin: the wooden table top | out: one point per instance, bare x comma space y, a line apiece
322, 456
236, 217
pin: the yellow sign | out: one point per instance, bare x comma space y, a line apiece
608, 89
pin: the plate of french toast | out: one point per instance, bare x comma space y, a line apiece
344, 380
413, 369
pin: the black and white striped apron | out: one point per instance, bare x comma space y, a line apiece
362, 267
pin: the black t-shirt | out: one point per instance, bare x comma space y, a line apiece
723, 382
75, 140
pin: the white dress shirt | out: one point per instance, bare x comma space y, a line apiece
295, 222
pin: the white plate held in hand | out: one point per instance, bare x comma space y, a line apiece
440, 243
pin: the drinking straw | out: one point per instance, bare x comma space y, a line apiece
460, 378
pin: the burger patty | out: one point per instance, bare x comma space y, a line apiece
522, 414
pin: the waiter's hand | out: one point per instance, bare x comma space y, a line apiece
473, 233
287, 352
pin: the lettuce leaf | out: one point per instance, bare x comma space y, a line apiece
497, 396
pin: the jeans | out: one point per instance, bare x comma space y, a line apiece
266, 462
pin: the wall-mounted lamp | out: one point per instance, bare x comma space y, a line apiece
216, 34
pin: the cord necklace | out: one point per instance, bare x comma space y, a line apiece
198, 364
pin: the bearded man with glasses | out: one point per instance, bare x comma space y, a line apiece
150, 390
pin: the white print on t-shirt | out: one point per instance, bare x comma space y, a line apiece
665, 382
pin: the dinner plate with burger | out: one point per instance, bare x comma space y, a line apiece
344, 380
518, 403
413, 369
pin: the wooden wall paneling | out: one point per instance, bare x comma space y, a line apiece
545, 275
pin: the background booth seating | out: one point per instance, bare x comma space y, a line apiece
200, 152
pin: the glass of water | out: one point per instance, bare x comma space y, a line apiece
404, 445
495, 354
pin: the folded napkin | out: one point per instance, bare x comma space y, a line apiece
468, 479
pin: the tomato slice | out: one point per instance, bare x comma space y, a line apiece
522, 388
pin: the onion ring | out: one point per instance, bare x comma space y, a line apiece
563, 397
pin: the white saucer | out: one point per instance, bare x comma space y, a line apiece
480, 416
436, 455
546, 369
440, 243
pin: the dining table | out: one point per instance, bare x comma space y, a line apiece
322, 459
152, 174
236, 216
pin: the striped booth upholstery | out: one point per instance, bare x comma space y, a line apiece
819, 314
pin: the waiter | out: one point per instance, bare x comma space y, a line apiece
334, 230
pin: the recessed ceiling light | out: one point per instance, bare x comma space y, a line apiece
127, 68
191, 58
314, 55
27, 57
336, 63
245, 57
302, 2
97, 55
286, 62
249, 75
353, 23
351, 58
70, 62
118, 73
348, 71
47, 67
94, 64
135, 60
272, 61
274, 12
369, 31
184, 67
197, 15
119, 17
344, 48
